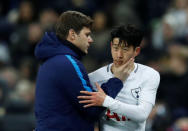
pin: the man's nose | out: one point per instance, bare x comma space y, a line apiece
90, 40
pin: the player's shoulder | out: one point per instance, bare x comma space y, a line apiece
148, 71
101, 70
99, 74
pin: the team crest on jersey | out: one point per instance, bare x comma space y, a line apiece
136, 92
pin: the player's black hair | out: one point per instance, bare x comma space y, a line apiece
129, 34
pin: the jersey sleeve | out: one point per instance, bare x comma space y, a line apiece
138, 113
146, 101
149, 87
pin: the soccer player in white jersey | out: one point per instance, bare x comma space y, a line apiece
132, 106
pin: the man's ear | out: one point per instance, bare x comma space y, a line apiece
137, 51
71, 34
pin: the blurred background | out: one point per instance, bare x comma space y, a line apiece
165, 48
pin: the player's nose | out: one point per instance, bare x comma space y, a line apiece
120, 53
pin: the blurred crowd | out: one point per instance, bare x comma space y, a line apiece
165, 48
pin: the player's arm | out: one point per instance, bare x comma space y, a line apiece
146, 101
101, 99
138, 112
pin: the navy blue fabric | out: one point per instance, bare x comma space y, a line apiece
58, 85
109, 87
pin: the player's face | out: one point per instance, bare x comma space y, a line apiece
83, 39
122, 53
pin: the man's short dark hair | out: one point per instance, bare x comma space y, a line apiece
72, 20
129, 34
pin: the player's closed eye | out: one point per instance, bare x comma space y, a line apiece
125, 49
116, 48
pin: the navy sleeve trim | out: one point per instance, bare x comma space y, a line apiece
79, 73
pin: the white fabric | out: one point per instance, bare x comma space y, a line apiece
131, 107
142, 110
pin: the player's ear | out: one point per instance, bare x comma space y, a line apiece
110, 43
137, 51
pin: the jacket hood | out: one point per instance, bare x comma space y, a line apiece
51, 46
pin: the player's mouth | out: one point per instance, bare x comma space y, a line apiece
118, 62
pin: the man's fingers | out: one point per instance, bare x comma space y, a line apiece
86, 92
98, 87
89, 105
86, 101
84, 97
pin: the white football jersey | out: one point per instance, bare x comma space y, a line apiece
131, 107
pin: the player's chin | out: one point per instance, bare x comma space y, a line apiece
117, 65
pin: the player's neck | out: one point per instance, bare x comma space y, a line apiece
111, 69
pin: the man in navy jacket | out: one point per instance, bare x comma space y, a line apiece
62, 76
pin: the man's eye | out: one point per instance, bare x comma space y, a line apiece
87, 35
